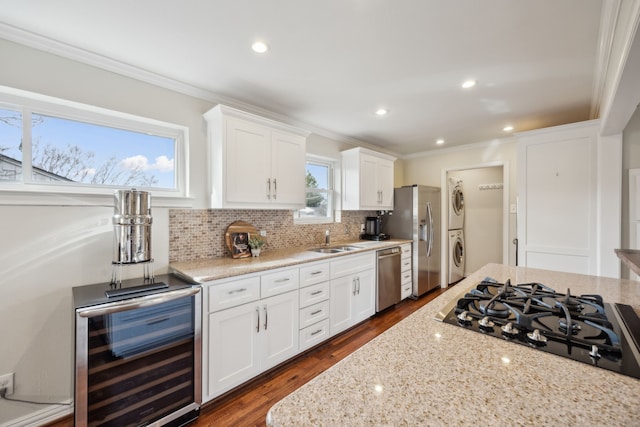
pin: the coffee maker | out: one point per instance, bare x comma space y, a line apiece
373, 229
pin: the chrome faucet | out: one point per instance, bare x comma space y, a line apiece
327, 238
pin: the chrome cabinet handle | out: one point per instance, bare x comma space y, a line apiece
284, 279
316, 273
269, 188
258, 324
233, 291
266, 318
316, 332
316, 312
316, 293
353, 281
275, 189
358, 278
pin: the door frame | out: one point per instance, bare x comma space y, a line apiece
444, 206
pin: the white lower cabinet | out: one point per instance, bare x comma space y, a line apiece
242, 341
257, 321
353, 291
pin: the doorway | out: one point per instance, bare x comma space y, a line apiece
486, 220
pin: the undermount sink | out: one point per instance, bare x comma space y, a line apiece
335, 249
326, 250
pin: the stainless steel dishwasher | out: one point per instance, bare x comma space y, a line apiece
388, 285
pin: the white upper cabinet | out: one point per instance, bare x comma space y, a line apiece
254, 162
367, 181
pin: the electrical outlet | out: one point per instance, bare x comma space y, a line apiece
6, 381
263, 233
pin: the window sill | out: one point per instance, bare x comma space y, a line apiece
20, 197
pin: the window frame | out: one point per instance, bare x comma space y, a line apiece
29, 192
331, 192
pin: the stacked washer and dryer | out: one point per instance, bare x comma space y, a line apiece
456, 230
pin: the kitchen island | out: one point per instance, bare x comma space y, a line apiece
425, 372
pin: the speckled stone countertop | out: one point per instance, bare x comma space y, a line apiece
422, 372
205, 270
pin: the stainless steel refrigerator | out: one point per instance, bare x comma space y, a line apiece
416, 216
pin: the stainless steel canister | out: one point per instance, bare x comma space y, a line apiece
132, 227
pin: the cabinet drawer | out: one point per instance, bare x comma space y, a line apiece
405, 291
280, 282
405, 264
405, 277
234, 293
352, 264
314, 294
406, 250
314, 314
314, 334
314, 274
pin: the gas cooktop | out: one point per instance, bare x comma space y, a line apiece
579, 327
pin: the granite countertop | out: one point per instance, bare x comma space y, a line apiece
425, 372
205, 270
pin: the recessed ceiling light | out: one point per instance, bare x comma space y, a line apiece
260, 47
469, 83
381, 111
440, 141
507, 128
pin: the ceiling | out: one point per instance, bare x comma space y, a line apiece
333, 63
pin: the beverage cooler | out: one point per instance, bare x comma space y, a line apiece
137, 353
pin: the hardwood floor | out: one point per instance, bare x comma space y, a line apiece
248, 405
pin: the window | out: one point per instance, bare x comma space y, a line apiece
51, 145
319, 196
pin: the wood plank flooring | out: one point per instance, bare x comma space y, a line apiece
248, 405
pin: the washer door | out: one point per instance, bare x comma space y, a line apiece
458, 253
457, 200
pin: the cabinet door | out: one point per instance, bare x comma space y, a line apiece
233, 347
247, 162
288, 169
364, 304
340, 308
369, 191
279, 328
385, 183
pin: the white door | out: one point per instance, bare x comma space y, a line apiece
340, 311
233, 347
247, 162
364, 304
557, 192
369, 191
279, 329
385, 183
288, 169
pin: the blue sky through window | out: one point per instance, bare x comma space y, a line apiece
152, 155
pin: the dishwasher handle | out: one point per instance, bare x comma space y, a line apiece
386, 253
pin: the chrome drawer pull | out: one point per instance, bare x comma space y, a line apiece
286, 279
236, 291
315, 332
316, 312
316, 272
316, 293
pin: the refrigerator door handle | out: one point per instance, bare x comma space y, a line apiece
430, 217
